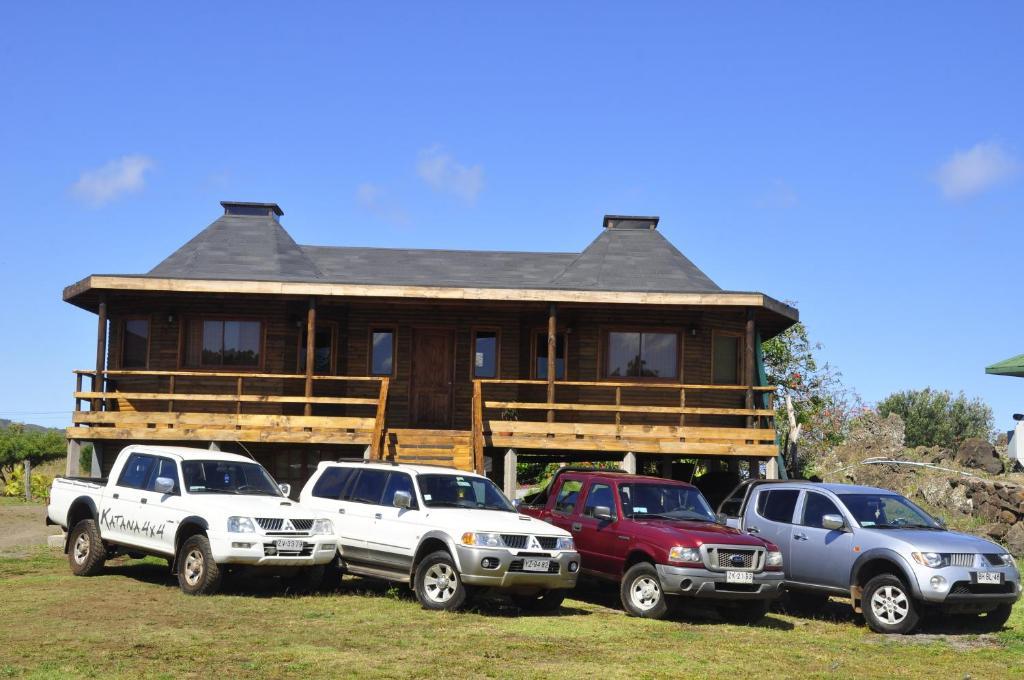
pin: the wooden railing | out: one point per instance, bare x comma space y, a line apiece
627, 416
211, 411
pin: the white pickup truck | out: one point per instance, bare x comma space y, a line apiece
443, 531
207, 512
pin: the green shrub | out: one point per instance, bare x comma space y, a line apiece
16, 484
937, 418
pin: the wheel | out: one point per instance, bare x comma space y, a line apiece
86, 552
744, 613
438, 585
198, 574
995, 619
641, 592
331, 576
305, 581
804, 602
544, 601
889, 606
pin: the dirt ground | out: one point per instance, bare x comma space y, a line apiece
22, 527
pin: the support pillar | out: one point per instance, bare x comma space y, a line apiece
71, 468
734, 467
307, 409
96, 466
510, 480
666, 467
771, 468
629, 463
754, 468
552, 363
99, 381
213, 446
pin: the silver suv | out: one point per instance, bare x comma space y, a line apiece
895, 561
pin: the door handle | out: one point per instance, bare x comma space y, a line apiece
623, 538
116, 495
753, 530
341, 511
576, 526
143, 500
377, 516
800, 537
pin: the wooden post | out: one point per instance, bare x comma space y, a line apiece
98, 383
238, 401
170, 402
749, 367
28, 480
310, 353
78, 388
552, 348
618, 414
377, 448
478, 428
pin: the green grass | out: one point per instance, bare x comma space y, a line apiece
132, 621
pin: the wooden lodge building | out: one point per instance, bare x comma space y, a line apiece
248, 341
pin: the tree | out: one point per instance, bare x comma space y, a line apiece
18, 445
937, 418
813, 407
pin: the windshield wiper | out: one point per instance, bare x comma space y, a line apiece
444, 504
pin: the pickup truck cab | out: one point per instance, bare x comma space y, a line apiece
658, 537
443, 531
207, 512
894, 560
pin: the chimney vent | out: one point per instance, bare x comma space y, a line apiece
635, 222
246, 209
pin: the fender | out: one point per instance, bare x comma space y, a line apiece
88, 502
443, 537
891, 556
191, 520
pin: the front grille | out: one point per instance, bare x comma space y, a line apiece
735, 559
517, 565
277, 523
996, 559
270, 550
959, 559
514, 540
548, 542
968, 588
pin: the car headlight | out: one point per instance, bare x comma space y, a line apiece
682, 554
773, 559
928, 559
1008, 560
322, 526
565, 543
487, 540
241, 525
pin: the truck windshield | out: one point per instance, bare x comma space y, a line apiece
886, 511
459, 491
667, 501
230, 477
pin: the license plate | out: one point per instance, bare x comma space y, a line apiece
289, 544
739, 577
536, 565
990, 577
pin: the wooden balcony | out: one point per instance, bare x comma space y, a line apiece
226, 406
648, 417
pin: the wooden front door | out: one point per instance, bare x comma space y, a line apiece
432, 375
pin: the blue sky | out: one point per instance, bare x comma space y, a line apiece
866, 162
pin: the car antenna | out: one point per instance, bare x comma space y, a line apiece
249, 453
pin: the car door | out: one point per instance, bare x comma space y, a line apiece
160, 513
770, 515
563, 507
396, 531
818, 555
119, 516
598, 540
360, 502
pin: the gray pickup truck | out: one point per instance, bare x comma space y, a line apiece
895, 561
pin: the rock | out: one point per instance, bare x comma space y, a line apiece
996, 531
1014, 539
979, 454
937, 492
1007, 517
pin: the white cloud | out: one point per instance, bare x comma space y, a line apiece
443, 173
107, 182
970, 172
376, 200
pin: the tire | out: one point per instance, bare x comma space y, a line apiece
994, 620
331, 577
438, 584
889, 606
86, 552
307, 580
744, 613
198, 574
641, 592
804, 602
544, 601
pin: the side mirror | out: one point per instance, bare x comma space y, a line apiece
286, 489
603, 513
833, 522
402, 499
941, 521
722, 518
517, 503
163, 485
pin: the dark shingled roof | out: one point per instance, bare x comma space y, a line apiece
258, 248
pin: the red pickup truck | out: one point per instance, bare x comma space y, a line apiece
659, 537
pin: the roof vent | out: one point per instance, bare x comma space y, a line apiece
630, 222
242, 208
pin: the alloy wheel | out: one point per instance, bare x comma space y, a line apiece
194, 565
645, 593
440, 582
890, 605
82, 548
